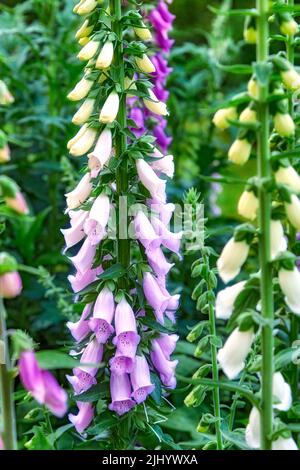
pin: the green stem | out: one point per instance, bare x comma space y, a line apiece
123, 243
215, 372
264, 172
8, 431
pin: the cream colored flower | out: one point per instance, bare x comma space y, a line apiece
289, 282
248, 205
110, 108
81, 90
84, 112
284, 124
293, 211
232, 258
155, 106
106, 55
289, 176
222, 116
234, 352
240, 151
144, 64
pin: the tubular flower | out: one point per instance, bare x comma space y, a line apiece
232, 258
240, 151
226, 298
248, 205
84, 112
110, 108
233, 354
223, 116
292, 209
277, 238
284, 124
288, 176
289, 284
106, 56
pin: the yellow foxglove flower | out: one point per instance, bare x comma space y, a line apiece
77, 136
284, 124
222, 116
89, 50
248, 115
144, 64
240, 151
248, 205
106, 55
81, 90
84, 30
253, 89
291, 79
84, 112
143, 33
155, 106
83, 41
110, 108
232, 258
86, 7
293, 211
289, 176
80, 194
84, 143
290, 28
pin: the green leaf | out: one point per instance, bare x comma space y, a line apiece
240, 69
114, 272
51, 360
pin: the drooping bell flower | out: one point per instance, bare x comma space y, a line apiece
89, 50
84, 416
80, 329
85, 7
83, 261
80, 281
240, 151
84, 143
120, 391
120, 364
284, 443
164, 366
84, 375
292, 210
96, 223
164, 165
226, 298
281, 392
144, 231
41, 384
84, 112
144, 64
155, 185
169, 239
284, 124
289, 281
155, 298
277, 238
75, 233
248, 205
103, 314
105, 56
110, 108
167, 343
154, 105
232, 258
289, 176
126, 338
223, 116
252, 433
233, 354
79, 194
158, 262
101, 154
84, 30
10, 285
140, 380
81, 90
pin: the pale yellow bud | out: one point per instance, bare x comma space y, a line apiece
86, 7
83, 41
105, 57
277, 238
240, 151
248, 205
81, 90
291, 79
84, 112
289, 282
290, 28
144, 64
253, 89
110, 108
77, 136
250, 35
84, 143
289, 176
222, 116
155, 106
143, 33
293, 211
248, 115
284, 124
89, 50
84, 30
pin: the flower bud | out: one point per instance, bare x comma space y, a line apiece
291, 79
17, 203
232, 258
110, 108
293, 211
289, 176
281, 393
4, 153
84, 112
85, 7
81, 90
248, 115
233, 354
10, 285
83, 41
290, 27
253, 88
143, 33
105, 57
144, 64
226, 298
277, 238
5, 95
250, 35
154, 105
84, 143
284, 124
284, 443
89, 50
82, 191
240, 151
84, 30
222, 116
101, 153
252, 434
248, 205
289, 282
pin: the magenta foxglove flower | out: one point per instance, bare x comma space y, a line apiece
121, 364
120, 390
41, 384
155, 298
137, 115
126, 338
103, 315
165, 367
80, 329
10, 285
158, 262
167, 343
84, 375
140, 380
75, 233
144, 232
80, 281
83, 261
95, 225
84, 417
101, 154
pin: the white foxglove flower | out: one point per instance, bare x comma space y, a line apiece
252, 434
86, 7
84, 30
284, 443
165, 165
106, 56
226, 298
240, 151
144, 64
101, 153
84, 112
293, 211
84, 143
248, 205
155, 186
289, 176
81, 90
234, 352
289, 282
154, 105
277, 238
82, 191
222, 116
284, 124
110, 108
281, 392
232, 258
143, 33
89, 50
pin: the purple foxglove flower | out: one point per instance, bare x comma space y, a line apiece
83, 261
80, 194
84, 417
165, 211
42, 384
162, 139
75, 233
155, 297
163, 41
84, 375
165, 367
169, 239
121, 364
10, 285
120, 390
140, 380
163, 10
137, 115
164, 165
158, 262
161, 66
103, 316
126, 338
167, 344
160, 92
97, 221
80, 281
144, 231
101, 153
149, 179
80, 329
